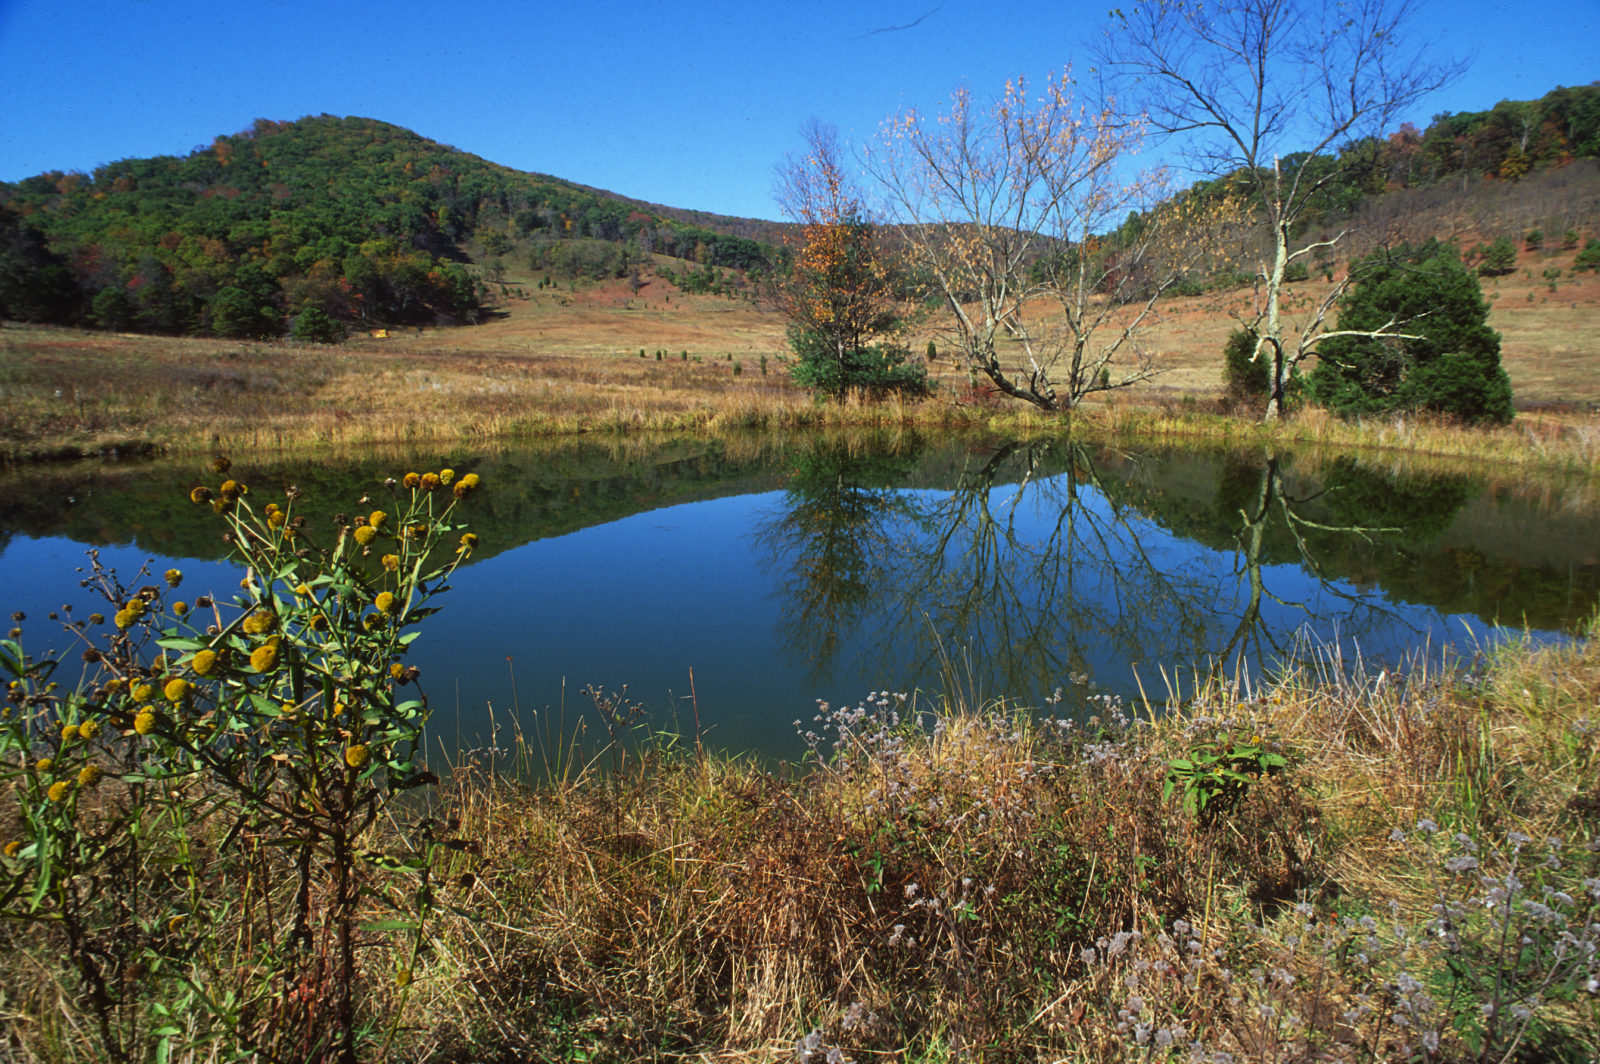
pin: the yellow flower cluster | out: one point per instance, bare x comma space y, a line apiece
357, 755
465, 486
260, 622
385, 602
174, 577
264, 658
203, 662
145, 722
178, 690
365, 534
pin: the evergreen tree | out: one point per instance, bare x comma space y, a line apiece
1443, 356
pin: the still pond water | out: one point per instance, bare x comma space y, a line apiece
790, 569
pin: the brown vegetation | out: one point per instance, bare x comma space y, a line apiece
556, 362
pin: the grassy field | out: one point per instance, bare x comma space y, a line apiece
557, 361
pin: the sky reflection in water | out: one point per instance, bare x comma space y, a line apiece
1029, 567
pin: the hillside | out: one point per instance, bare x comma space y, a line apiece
364, 221
323, 224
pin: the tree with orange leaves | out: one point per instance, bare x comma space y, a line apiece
841, 304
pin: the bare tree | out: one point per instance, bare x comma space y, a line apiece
1246, 82
1005, 210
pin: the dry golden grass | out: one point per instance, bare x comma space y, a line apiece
559, 362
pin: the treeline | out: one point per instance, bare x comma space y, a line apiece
353, 220
1506, 142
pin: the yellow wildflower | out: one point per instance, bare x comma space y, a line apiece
319, 622
173, 577
13, 847
446, 475
177, 690
391, 562
231, 490
264, 658
203, 662
145, 722
180, 608
97, 618
356, 756
69, 732
200, 495
397, 670
304, 591
58, 791
125, 620
372, 620
376, 518
430, 481
89, 775
365, 534
468, 541
411, 480
259, 623
89, 729
142, 692
43, 765
135, 606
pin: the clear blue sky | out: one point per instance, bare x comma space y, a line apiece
686, 104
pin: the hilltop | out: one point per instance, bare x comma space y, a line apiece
363, 221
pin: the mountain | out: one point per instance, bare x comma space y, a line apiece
358, 219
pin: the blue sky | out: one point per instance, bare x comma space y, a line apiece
689, 105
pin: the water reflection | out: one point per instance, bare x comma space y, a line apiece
786, 568
1045, 563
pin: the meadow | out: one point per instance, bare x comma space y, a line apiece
223, 846
604, 357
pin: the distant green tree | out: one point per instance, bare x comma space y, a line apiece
1500, 257
112, 309
35, 284
1589, 257
1442, 356
313, 325
234, 313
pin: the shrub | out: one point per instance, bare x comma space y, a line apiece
1245, 375
1297, 271
220, 769
876, 369
1589, 257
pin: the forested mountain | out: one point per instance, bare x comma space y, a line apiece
356, 219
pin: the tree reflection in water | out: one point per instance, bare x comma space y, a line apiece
1043, 566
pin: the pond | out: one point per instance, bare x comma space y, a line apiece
736, 580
